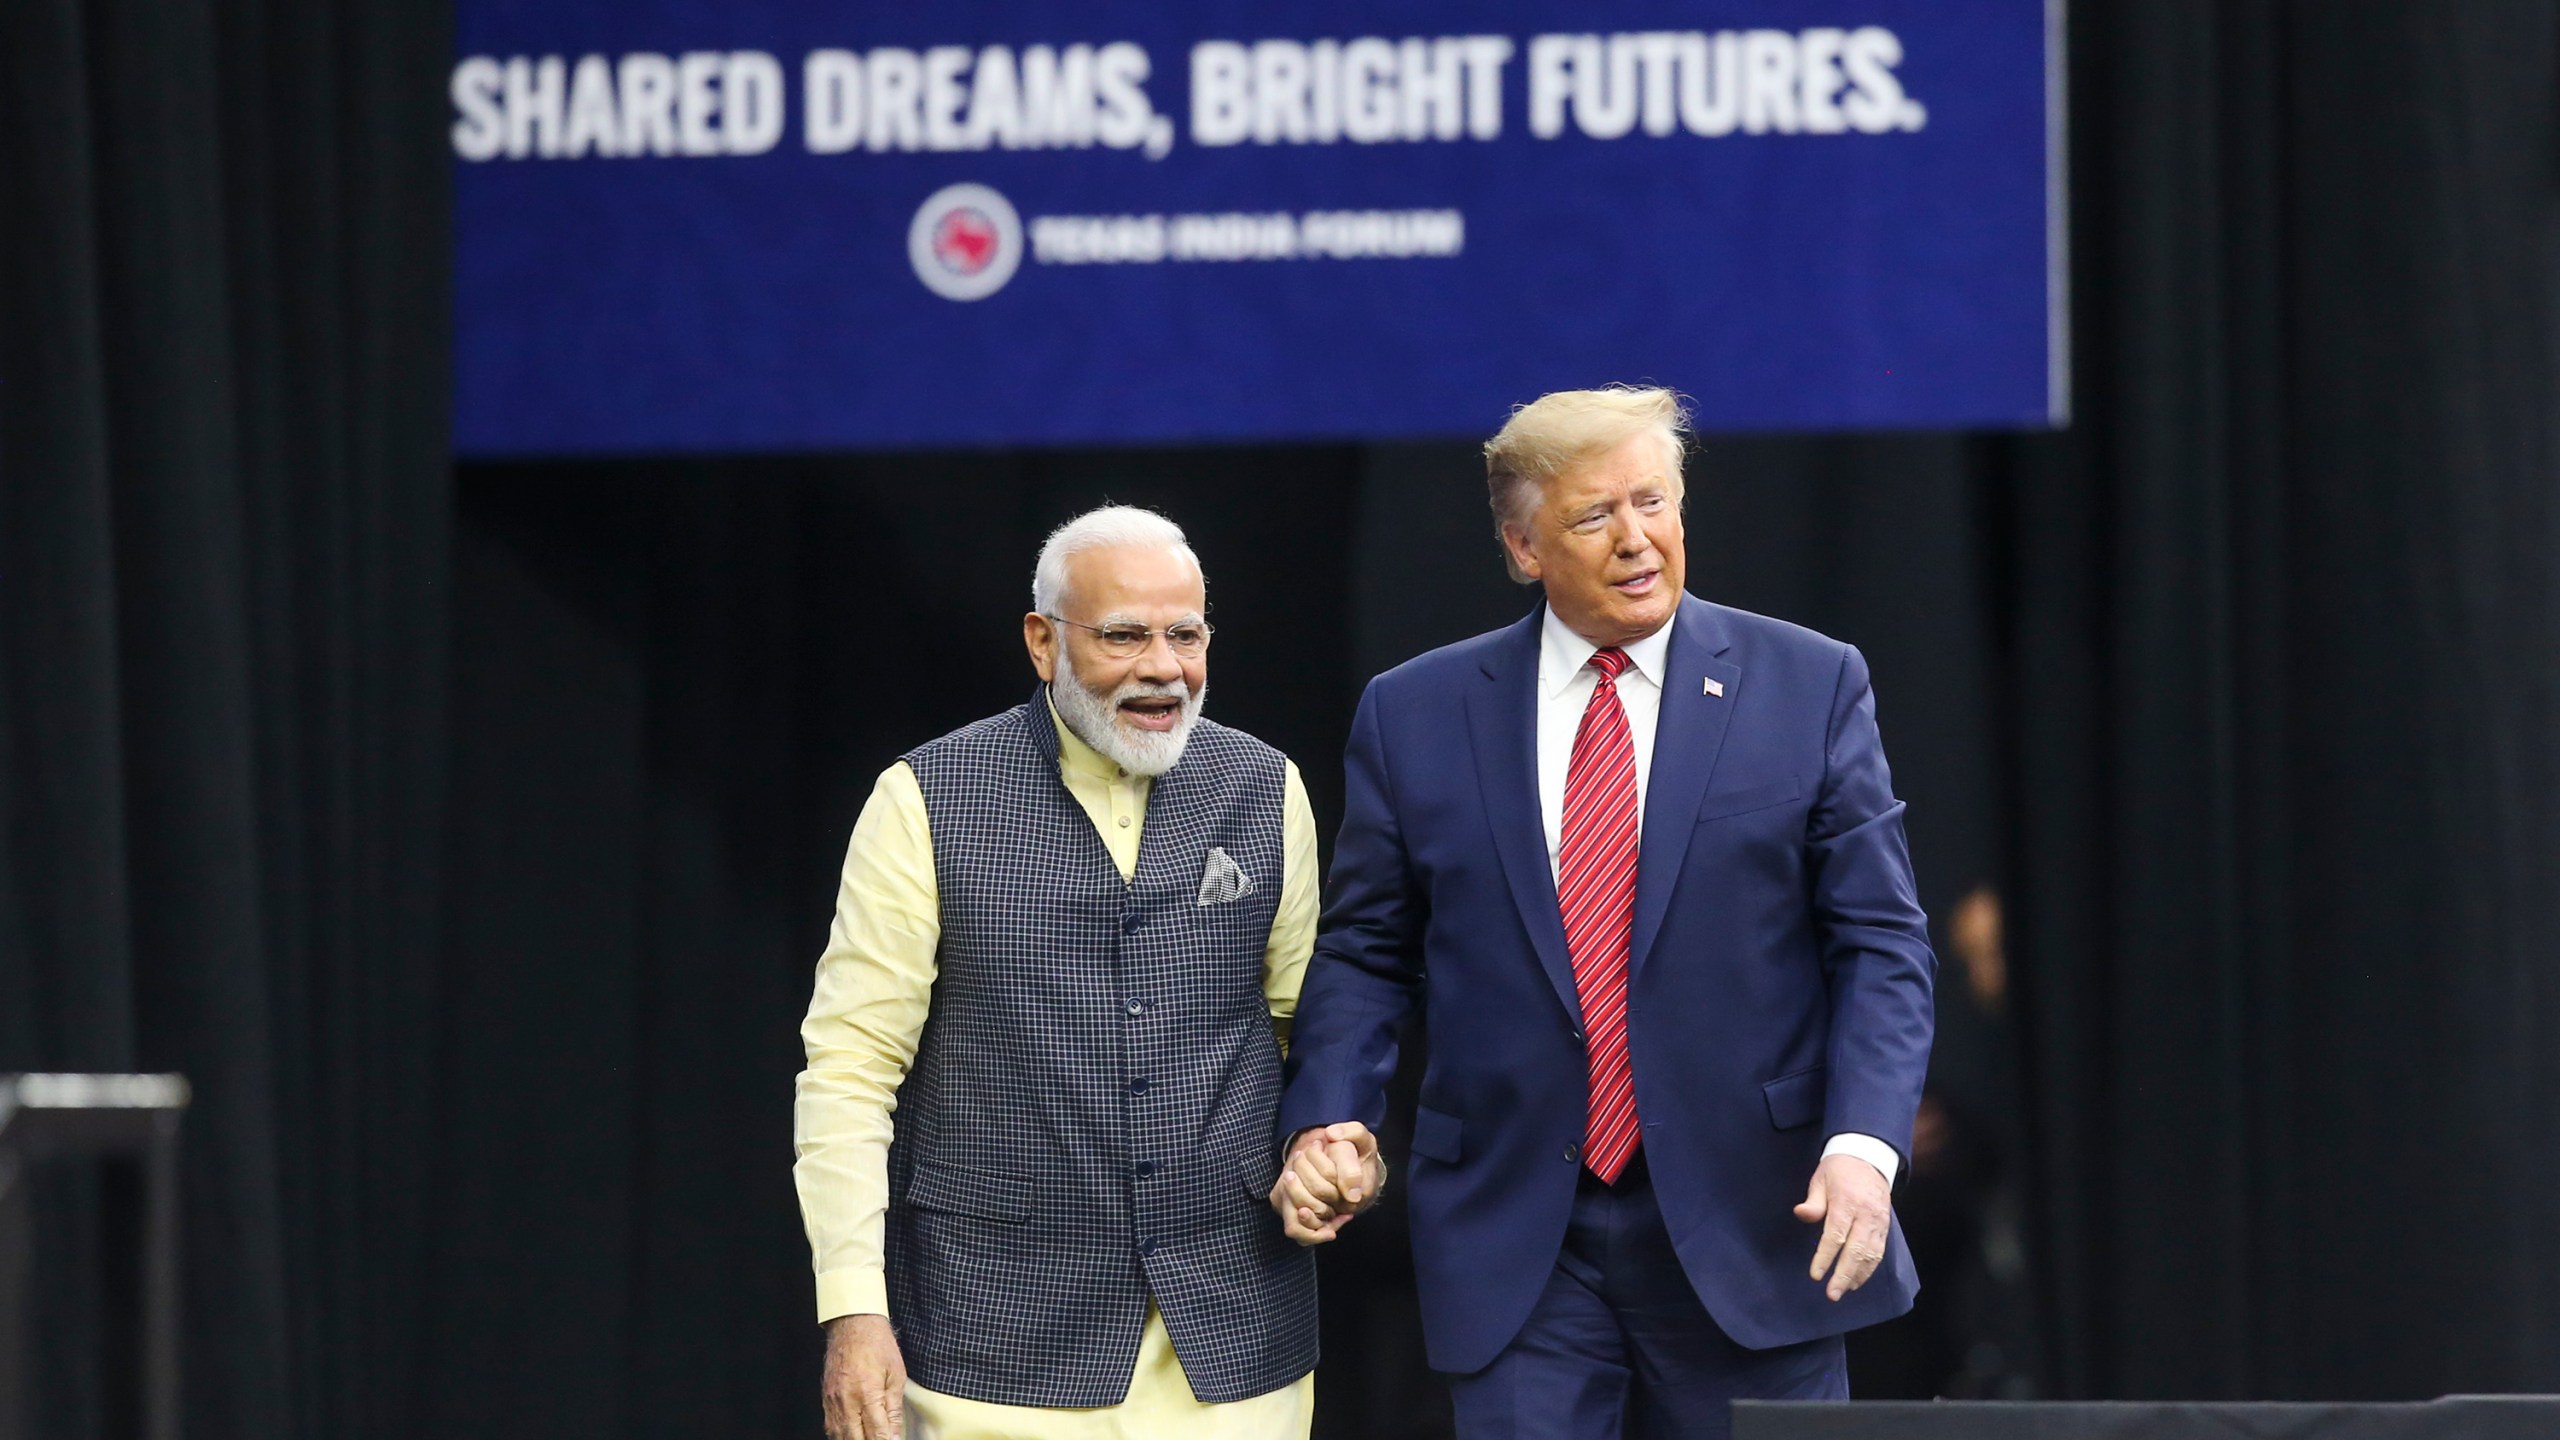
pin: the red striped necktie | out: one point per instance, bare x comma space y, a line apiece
1596, 890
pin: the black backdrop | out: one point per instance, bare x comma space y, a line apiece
224, 588
469, 839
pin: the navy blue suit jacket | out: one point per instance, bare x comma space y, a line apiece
1779, 987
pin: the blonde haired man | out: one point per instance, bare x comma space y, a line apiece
1638, 858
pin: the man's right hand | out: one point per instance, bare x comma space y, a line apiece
866, 1379
1333, 1172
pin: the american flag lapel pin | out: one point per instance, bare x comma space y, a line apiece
1715, 687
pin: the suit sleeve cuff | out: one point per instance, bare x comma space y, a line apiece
853, 1290
1866, 1147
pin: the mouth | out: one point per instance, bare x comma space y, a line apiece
1151, 712
1641, 583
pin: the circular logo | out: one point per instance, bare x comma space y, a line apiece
965, 242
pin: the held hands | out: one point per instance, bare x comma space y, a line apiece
866, 1380
1333, 1173
1852, 1203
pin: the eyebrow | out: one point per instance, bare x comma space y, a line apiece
1123, 618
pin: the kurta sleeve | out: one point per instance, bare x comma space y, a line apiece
1293, 928
866, 1016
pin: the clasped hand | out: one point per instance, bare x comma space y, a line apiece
1333, 1172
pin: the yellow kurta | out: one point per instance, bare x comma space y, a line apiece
875, 983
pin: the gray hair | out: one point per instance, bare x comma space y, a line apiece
1109, 528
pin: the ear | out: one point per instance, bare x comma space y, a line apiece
1040, 637
1516, 540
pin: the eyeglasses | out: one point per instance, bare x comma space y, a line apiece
1189, 639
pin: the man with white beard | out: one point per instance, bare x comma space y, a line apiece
1067, 946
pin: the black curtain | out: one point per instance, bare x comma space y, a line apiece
224, 502
2283, 656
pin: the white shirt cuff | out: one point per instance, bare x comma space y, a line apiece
1868, 1148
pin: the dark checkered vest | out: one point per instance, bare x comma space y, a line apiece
1088, 1122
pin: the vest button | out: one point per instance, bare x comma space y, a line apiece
1138, 1086
1130, 922
1146, 1168
1572, 1153
1134, 1007
1147, 1246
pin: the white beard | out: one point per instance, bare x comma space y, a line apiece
1095, 720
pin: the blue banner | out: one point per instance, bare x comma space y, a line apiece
772, 225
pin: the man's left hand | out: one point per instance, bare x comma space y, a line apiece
1852, 1203
1333, 1172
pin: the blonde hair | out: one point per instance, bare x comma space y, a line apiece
1560, 430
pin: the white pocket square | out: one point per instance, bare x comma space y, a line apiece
1222, 879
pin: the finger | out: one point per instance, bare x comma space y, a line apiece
1316, 1175
1835, 1236
1293, 1188
1349, 1168
1858, 1260
876, 1424
1816, 1203
1358, 1134
1312, 1159
1303, 1227
1318, 1159
1304, 1198
1299, 1222
1285, 1192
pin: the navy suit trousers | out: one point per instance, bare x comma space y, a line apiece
1618, 1344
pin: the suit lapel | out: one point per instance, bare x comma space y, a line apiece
1502, 722
1687, 741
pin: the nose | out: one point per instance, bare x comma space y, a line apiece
1631, 537
1157, 664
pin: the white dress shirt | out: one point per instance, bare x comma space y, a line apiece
1565, 683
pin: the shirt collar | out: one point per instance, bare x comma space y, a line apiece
1076, 757
1562, 654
